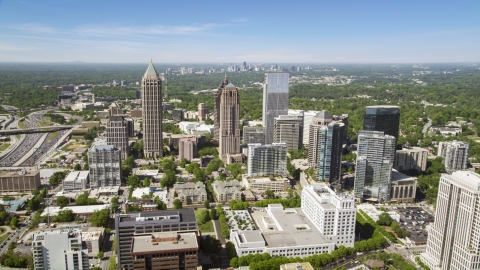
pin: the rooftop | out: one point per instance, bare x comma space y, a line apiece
398, 176
18, 173
103, 147
72, 232
80, 209
164, 241
186, 215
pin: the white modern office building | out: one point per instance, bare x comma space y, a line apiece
375, 156
267, 160
454, 238
275, 101
454, 154
59, 249
76, 180
331, 213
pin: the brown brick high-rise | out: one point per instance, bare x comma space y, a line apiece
227, 116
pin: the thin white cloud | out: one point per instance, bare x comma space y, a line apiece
239, 20
31, 28
16, 47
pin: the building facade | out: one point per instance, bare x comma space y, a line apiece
332, 214
375, 156
59, 249
403, 187
152, 113
76, 180
382, 118
228, 117
227, 191
454, 238
127, 226
187, 148
190, 192
202, 112
261, 184
414, 158
254, 135
267, 160
105, 166
117, 134
321, 119
275, 101
288, 129
21, 181
454, 154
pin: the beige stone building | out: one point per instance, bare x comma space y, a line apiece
152, 112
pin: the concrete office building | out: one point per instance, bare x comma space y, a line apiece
115, 109
414, 158
275, 101
454, 238
187, 148
321, 119
177, 115
288, 129
262, 183
228, 120
19, 181
375, 155
283, 232
128, 226
227, 191
202, 112
59, 249
254, 135
403, 187
105, 166
454, 155
76, 180
165, 250
307, 121
117, 134
267, 160
332, 214
152, 113
382, 118
130, 126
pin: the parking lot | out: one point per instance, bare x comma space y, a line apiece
414, 220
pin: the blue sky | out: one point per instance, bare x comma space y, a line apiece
236, 31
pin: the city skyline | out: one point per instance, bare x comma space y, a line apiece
307, 32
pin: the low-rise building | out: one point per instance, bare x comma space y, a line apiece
19, 181
76, 180
190, 192
283, 232
227, 191
83, 211
403, 187
260, 184
297, 266
165, 250
93, 239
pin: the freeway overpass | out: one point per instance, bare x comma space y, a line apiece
7, 132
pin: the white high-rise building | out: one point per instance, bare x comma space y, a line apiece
332, 214
454, 154
454, 238
275, 101
267, 160
59, 249
375, 156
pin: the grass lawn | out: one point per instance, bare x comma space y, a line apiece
4, 146
207, 227
22, 125
3, 237
72, 145
52, 136
18, 136
43, 124
391, 267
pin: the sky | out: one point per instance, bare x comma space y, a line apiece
94, 31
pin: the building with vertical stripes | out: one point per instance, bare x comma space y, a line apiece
275, 101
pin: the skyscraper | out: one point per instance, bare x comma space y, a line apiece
288, 129
227, 119
329, 152
454, 154
253, 135
105, 166
375, 156
267, 160
382, 118
117, 134
321, 119
454, 238
275, 101
152, 112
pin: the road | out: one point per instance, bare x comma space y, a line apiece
15, 236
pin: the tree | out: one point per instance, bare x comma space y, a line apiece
14, 222
62, 201
384, 219
213, 214
269, 194
129, 161
85, 167
235, 169
64, 216
100, 255
133, 181
114, 204
146, 182
203, 216
77, 167
206, 204
177, 204
100, 218
210, 245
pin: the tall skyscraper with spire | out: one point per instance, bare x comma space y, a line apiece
227, 119
152, 113
275, 101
